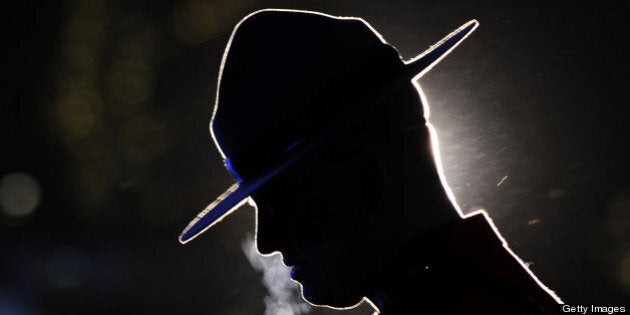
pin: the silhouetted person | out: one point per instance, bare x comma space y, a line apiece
319, 122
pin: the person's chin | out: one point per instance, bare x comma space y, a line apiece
318, 291
319, 299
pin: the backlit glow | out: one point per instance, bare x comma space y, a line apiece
435, 146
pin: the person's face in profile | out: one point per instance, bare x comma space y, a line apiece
319, 214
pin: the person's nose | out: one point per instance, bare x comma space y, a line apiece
267, 231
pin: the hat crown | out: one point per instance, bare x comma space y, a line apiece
287, 73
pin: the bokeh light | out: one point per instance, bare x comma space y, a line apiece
130, 80
78, 106
67, 267
619, 216
77, 112
19, 194
556, 193
195, 21
87, 20
618, 219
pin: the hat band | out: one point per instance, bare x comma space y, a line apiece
267, 155
299, 135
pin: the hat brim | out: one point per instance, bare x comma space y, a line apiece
228, 202
238, 193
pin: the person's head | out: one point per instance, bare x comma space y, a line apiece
319, 122
341, 212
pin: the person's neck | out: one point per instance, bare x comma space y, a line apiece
396, 297
403, 278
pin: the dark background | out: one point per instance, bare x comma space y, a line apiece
105, 107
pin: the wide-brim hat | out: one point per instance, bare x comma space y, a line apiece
291, 79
